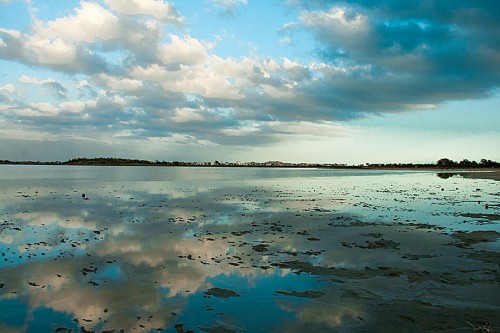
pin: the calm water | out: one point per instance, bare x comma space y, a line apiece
149, 249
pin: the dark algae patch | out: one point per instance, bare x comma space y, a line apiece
261, 247
219, 329
474, 237
221, 293
303, 294
381, 244
482, 216
487, 256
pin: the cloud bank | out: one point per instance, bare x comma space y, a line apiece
131, 70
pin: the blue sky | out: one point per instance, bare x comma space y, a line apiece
293, 80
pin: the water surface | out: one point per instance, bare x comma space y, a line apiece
149, 249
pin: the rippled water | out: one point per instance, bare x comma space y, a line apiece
147, 249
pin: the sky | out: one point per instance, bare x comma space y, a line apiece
355, 81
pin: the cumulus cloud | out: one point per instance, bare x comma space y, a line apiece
75, 43
8, 88
90, 22
55, 53
187, 114
77, 106
137, 79
186, 51
58, 89
51, 85
396, 55
122, 84
157, 8
28, 79
228, 7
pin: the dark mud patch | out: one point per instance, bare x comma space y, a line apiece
410, 256
240, 233
179, 328
373, 234
302, 294
474, 237
221, 293
487, 256
481, 216
366, 273
218, 329
413, 315
260, 247
313, 253
360, 294
381, 244
424, 226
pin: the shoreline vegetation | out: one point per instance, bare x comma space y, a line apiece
442, 164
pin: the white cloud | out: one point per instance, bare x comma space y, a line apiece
77, 106
8, 87
119, 101
120, 83
307, 128
186, 50
242, 131
336, 17
285, 40
214, 78
187, 114
343, 26
73, 43
44, 107
37, 109
52, 51
157, 8
33, 80
228, 5
90, 23
11, 33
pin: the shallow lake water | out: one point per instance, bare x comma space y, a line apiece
165, 249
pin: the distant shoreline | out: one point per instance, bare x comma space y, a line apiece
258, 165
457, 167
471, 172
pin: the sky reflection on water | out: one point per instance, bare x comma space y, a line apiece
315, 250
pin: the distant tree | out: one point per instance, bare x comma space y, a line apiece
467, 163
488, 163
445, 162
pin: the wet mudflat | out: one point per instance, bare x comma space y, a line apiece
141, 249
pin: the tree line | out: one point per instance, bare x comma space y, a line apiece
483, 163
443, 163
